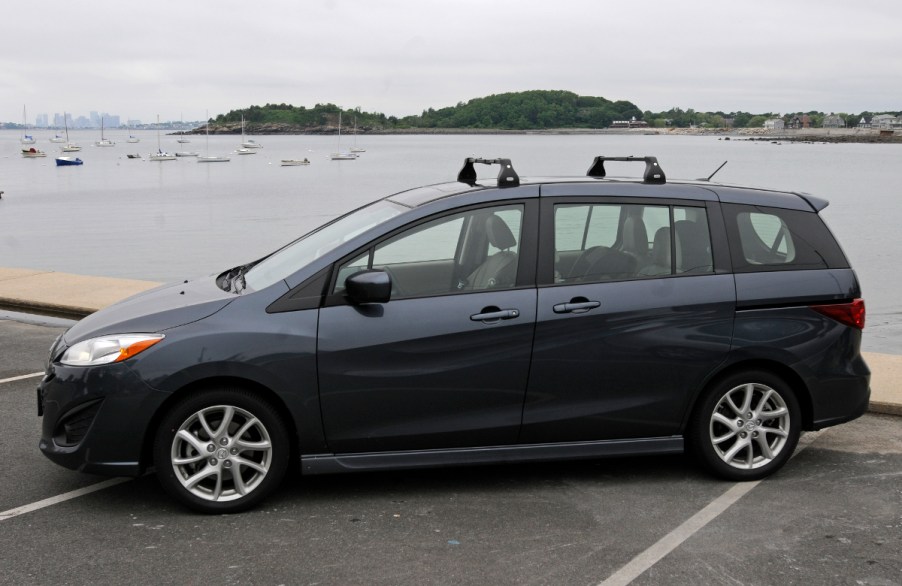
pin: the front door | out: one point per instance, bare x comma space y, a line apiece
445, 362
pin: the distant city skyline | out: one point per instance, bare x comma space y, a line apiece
93, 120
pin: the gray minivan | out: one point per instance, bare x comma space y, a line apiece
475, 322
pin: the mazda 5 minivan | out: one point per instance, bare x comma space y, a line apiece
478, 322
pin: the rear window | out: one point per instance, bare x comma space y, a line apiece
777, 239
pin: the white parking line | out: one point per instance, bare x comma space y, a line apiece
645, 560
23, 377
60, 498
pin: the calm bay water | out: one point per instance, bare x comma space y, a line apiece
170, 220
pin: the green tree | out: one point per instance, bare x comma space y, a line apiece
756, 121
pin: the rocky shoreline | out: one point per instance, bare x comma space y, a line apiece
823, 135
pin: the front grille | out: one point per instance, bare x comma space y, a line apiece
73, 426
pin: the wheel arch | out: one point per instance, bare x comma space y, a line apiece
258, 389
795, 382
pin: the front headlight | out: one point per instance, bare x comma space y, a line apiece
107, 349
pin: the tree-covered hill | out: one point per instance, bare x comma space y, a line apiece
537, 109
515, 111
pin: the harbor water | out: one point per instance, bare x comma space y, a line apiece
168, 220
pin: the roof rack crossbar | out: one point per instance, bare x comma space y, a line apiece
507, 177
653, 171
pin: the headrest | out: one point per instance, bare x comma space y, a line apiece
500, 236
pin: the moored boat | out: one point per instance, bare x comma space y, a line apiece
67, 161
33, 153
103, 142
295, 162
208, 158
341, 155
160, 155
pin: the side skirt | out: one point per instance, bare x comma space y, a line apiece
358, 462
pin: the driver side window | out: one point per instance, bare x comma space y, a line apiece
473, 250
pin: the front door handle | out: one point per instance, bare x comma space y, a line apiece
576, 306
492, 314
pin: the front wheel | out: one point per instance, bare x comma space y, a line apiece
221, 451
745, 427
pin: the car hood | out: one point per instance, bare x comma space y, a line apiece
156, 310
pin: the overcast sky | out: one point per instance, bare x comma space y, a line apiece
181, 58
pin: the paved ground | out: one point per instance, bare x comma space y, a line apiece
832, 516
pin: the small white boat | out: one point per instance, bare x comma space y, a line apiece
33, 153
247, 143
294, 162
26, 138
208, 158
245, 151
355, 148
103, 142
131, 137
161, 156
70, 147
57, 138
182, 140
185, 154
341, 155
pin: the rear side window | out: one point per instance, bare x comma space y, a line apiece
776, 239
614, 241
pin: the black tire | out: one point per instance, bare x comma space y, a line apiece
732, 445
242, 463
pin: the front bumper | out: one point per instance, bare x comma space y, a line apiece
96, 419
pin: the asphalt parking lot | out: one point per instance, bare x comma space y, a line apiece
832, 516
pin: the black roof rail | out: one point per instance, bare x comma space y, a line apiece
653, 171
507, 177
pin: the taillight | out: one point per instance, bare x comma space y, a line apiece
850, 314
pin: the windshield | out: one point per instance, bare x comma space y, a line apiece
307, 249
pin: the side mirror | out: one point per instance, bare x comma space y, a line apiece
369, 286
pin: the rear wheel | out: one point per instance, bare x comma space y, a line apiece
746, 427
221, 451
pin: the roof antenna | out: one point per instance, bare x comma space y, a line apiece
714, 173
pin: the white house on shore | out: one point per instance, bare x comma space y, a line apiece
886, 122
774, 124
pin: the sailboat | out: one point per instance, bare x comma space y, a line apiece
246, 150
131, 137
160, 155
103, 142
183, 139
57, 138
355, 148
341, 155
70, 147
26, 138
208, 158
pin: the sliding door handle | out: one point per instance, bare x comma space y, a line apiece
576, 306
